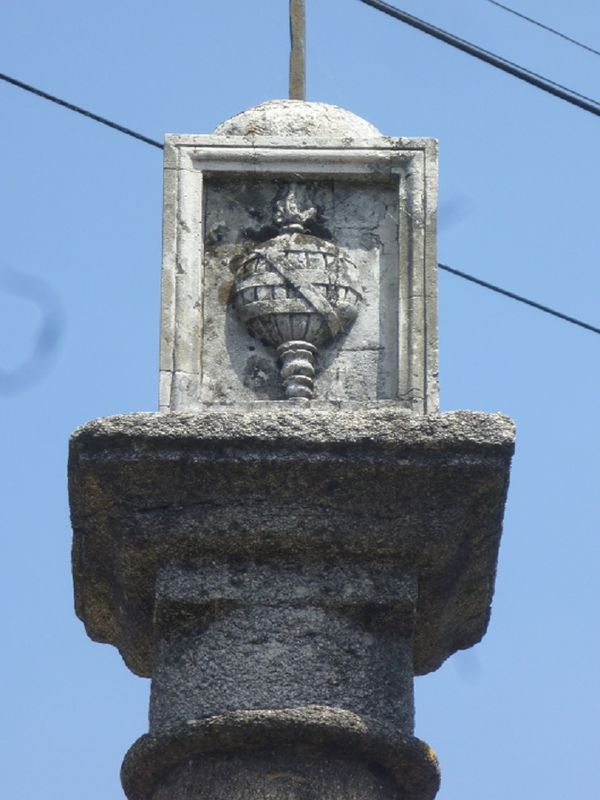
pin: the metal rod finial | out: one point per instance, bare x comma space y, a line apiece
297, 50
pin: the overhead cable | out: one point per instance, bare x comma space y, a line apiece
519, 298
157, 144
78, 110
545, 27
533, 78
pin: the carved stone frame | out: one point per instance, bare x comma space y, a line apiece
189, 159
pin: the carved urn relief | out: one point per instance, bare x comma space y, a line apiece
296, 292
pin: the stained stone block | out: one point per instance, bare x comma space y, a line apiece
369, 486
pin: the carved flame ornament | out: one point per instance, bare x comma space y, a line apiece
296, 293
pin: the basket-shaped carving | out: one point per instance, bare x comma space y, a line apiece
295, 290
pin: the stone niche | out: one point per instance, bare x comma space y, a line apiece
334, 193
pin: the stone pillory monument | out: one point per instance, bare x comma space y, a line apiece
299, 531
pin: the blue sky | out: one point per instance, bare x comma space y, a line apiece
515, 717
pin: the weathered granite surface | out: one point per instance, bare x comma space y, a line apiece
298, 120
241, 635
320, 486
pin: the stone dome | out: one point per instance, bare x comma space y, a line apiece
297, 119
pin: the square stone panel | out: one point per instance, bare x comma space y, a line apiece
375, 200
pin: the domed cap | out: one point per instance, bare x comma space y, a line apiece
297, 119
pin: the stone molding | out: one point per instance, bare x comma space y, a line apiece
409, 762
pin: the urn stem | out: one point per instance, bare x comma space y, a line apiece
297, 370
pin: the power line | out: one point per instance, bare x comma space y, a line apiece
533, 78
520, 298
157, 144
78, 110
545, 27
